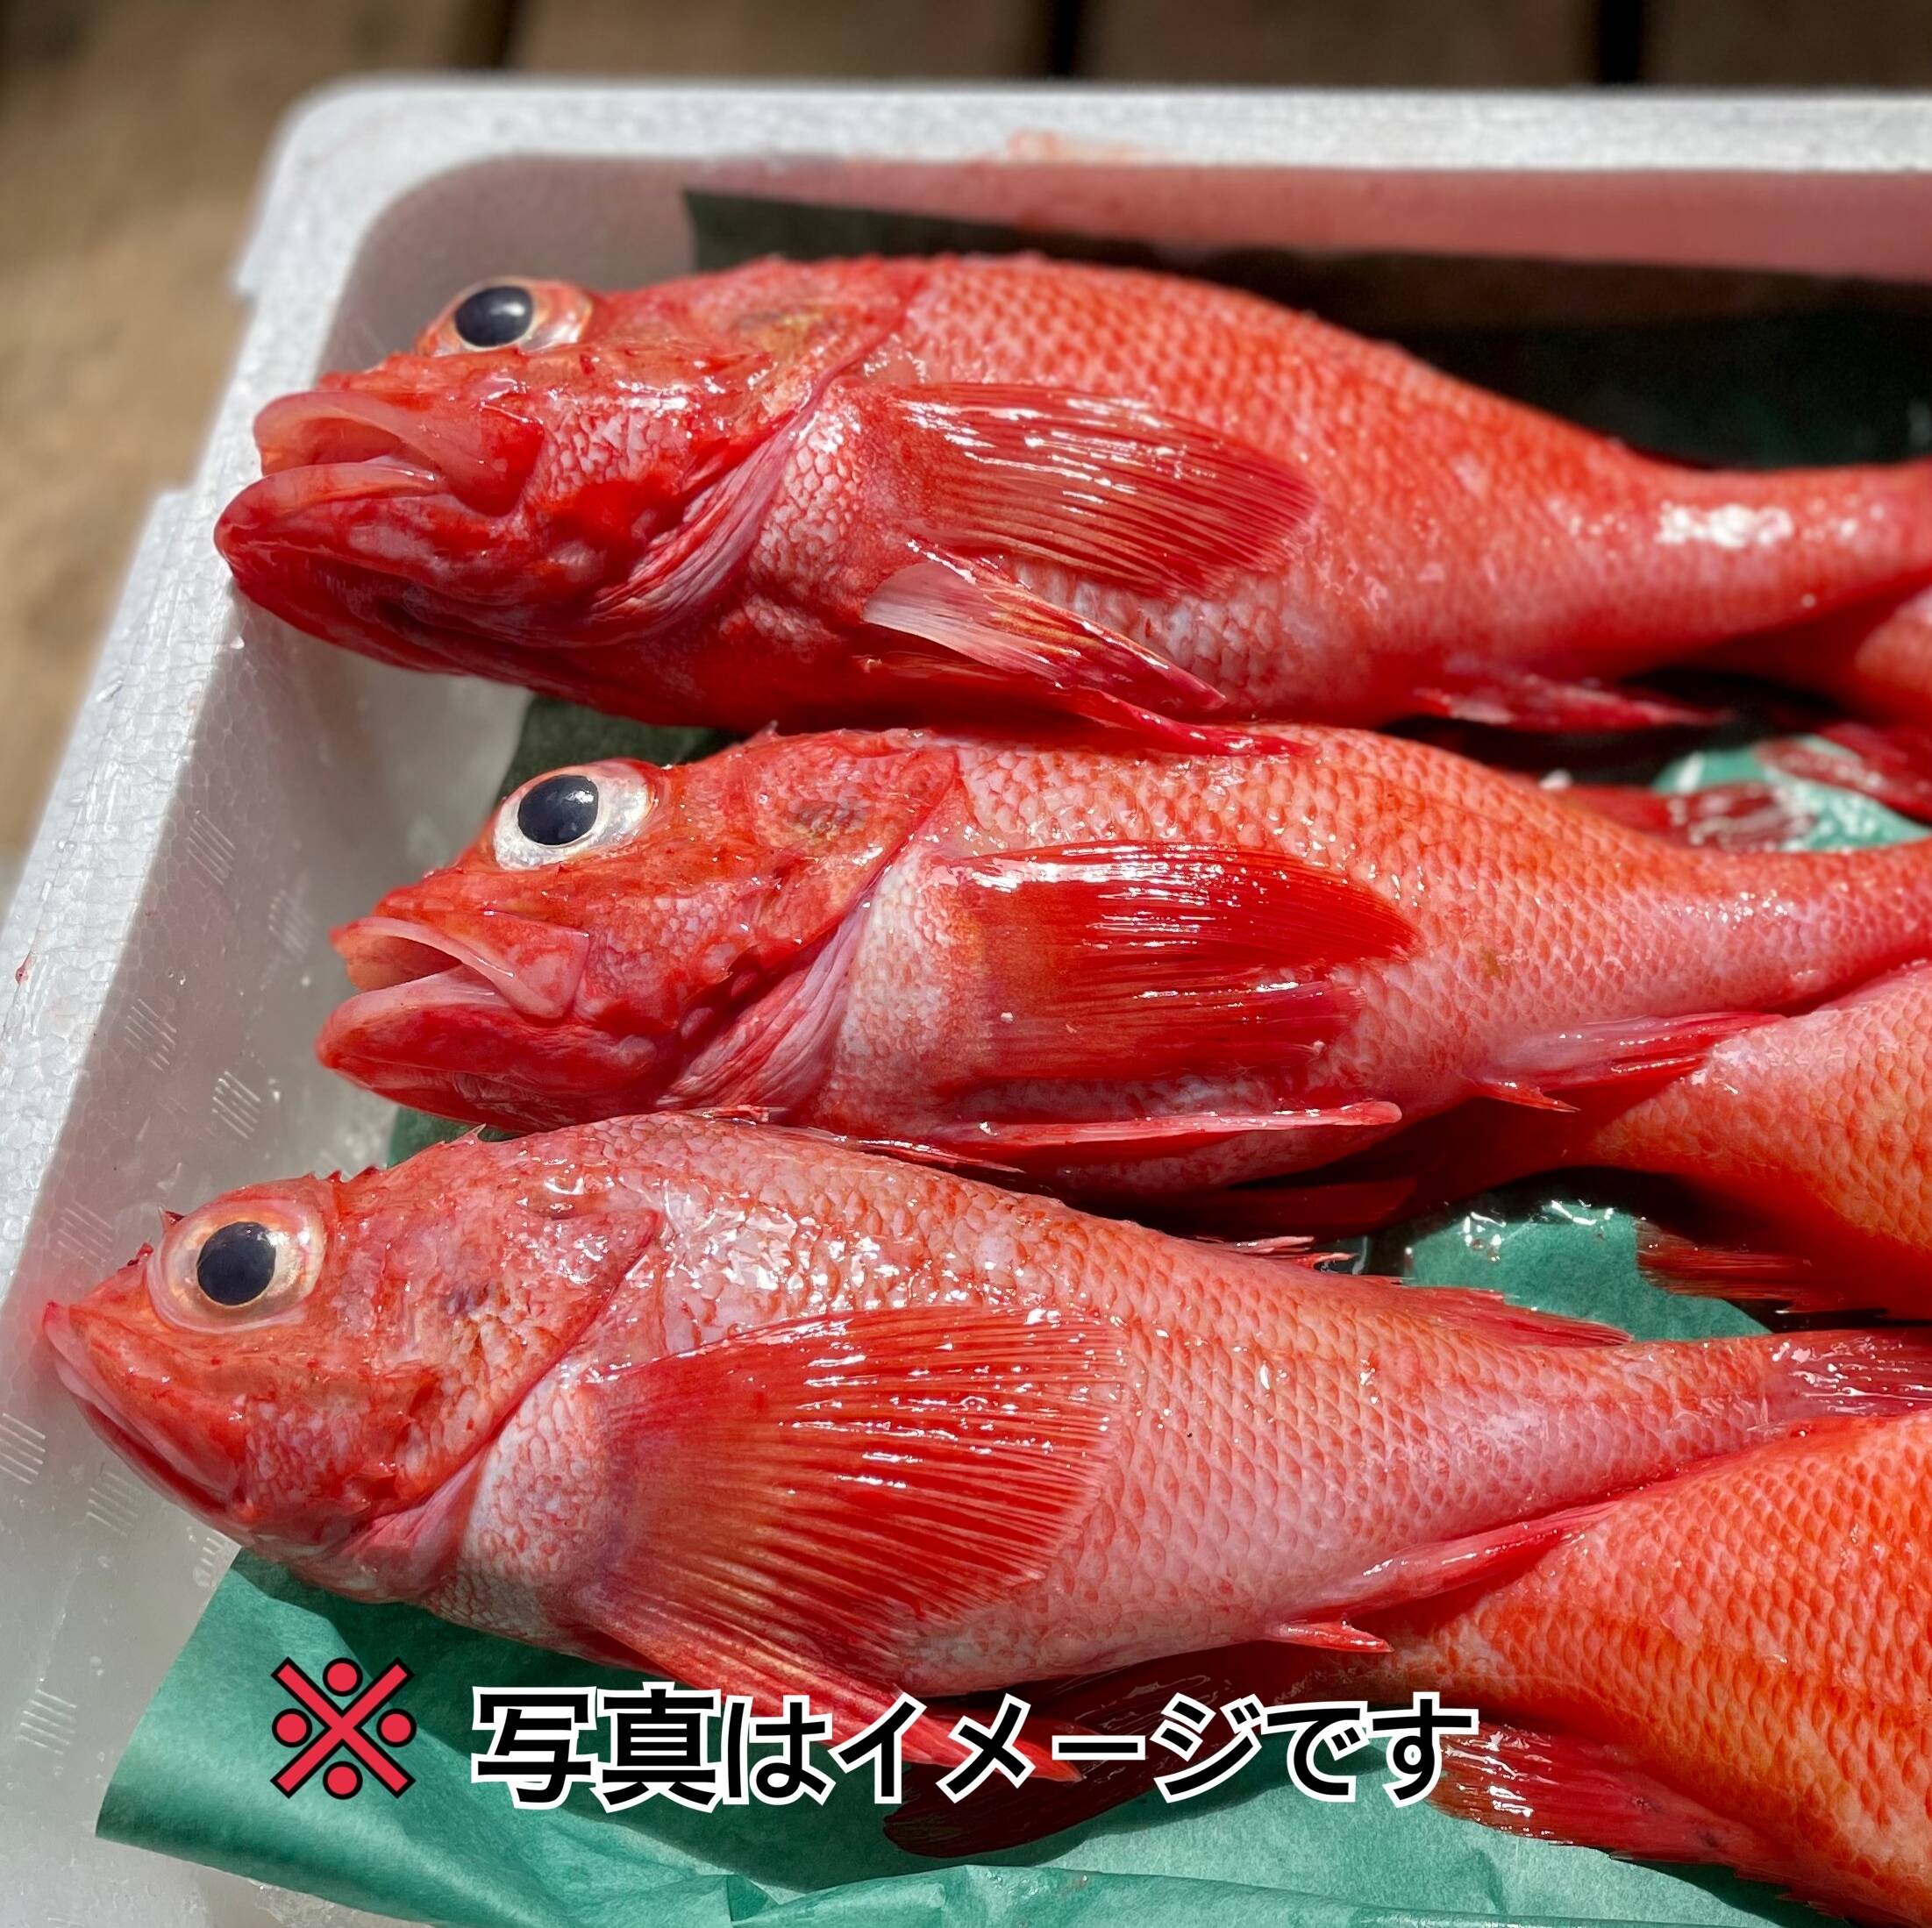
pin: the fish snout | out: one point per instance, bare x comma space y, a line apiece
346, 442
140, 1407
536, 968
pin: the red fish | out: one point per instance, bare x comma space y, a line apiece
1120, 973
1806, 1143
768, 1413
929, 490
1875, 660
1727, 1669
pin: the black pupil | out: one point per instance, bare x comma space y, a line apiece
558, 810
493, 317
237, 1263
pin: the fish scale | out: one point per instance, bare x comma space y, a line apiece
1024, 955
1535, 909
1079, 1443
1752, 1636
952, 489
1803, 1169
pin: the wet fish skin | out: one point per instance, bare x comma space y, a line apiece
1727, 1668
1116, 973
891, 491
773, 1414
1800, 1147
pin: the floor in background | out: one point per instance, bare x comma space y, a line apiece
131, 133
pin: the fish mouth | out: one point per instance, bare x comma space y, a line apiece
203, 1488
446, 1026
532, 969
345, 444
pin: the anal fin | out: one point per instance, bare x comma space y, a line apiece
1420, 1572
1723, 816
1477, 1310
1891, 763
1557, 1787
1019, 1144
1699, 1271
1328, 1637
1523, 700
1610, 1051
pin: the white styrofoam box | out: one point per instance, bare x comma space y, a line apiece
227, 797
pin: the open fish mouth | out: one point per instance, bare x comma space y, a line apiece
534, 968
446, 1023
347, 445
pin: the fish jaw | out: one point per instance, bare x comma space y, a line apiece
95, 1354
482, 456
536, 968
451, 1044
377, 509
480, 1031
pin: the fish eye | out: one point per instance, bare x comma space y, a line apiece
571, 812
223, 1263
560, 809
508, 314
494, 317
237, 1263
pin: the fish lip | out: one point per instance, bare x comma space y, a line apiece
368, 945
170, 1471
278, 509
366, 444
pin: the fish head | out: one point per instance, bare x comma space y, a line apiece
615, 921
548, 467
297, 1361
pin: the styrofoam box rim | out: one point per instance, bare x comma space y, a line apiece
153, 817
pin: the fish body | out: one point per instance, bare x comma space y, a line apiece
1802, 1143
1729, 1669
889, 491
770, 1414
1118, 972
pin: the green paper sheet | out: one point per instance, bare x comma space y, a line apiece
194, 1781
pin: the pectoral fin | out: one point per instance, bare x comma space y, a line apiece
1108, 487
1143, 960
809, 1494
